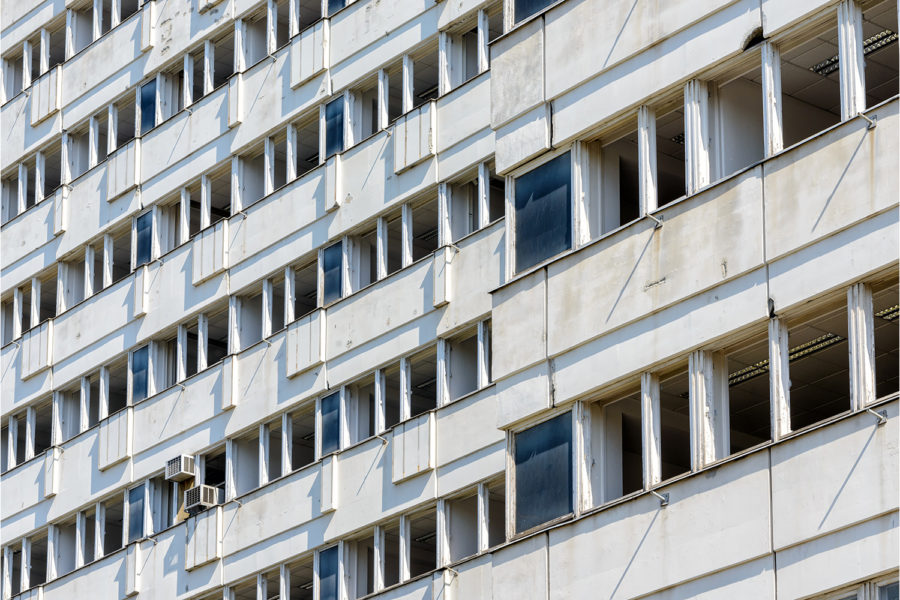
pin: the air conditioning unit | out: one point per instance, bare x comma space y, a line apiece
180, 468
202, 497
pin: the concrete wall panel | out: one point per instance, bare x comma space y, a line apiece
472, 418
778, 14
519, 324
517, 72
203, 538
520, 570
463, 112
523, 139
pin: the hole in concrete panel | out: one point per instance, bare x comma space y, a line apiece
819, 368
887, 339
43, 428
214, 470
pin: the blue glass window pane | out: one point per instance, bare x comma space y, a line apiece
331, 430
135, 513
543, 212
139, 374
334, 127
328, 574
335, 5
526, 8
544, 472
331, 268
144, 228
148, 106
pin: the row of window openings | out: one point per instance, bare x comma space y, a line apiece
346, 266
263, 34
342, 122
620, 186
347, 417
819, 389
387, 555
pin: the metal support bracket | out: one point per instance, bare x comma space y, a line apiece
880, 415
872, 121
658, 221
663, 498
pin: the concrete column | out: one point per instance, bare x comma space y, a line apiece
483, 517
647, 159
202, 341
107, 260
444, 231
284, 572
443, 372
181, 353
8, 574
290, 295
287, 442
406, 235
650, 430
483, 376
103, 406
853, 66
35, 301
581, 174
84, 404
187, 92
293, 29
381, 248
405, 392
240, 53
696, 135
268, 166
25, 563
484, 192
773, 124
12, 442
861, 334
112, 128
352, 126
80, 532
56, 418
708, 376
263, 455
89, 259
380, 418
271, 26
39, 176
581, 426
483, 39
205, 201
52, 541
70, 36
268, 307
27, 49
237, 193
445, 43
407, 86
18, 312
230, 475
22, 187
383, 115
99, 529
443, 533
115, 13
291, 149
234, 324
184, 216
98, 19
322, 128
378, 559
779, 378
404, 548
62, 292
45, 52
209, 61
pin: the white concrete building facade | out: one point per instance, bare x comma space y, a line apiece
449, 299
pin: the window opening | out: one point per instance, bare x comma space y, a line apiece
37, 573
328, 574
395, 92
144, 231
125, 126
333, 7
879, 47
250, 320
279, 167
65, 548
330, 408
424, 229
246, 463
522, 9
43, 428
148, 106
10, 196
79, 153
277, 317
391, 396
310, 12
364, 249
13, 75
497, 196
26, 308
69, 413
362, 409
135, 513
496, 514
674, 419
394, 244
819, 368
423, 382
114, 511
301, 586
47, 300
332, 284
425, 77
303, 437
197, 87
121, 255
253, 174
360, 564
217, 339
307, 155
736, 113
463, 209
57, 46
334, 127
128, 8
305, 290
282, 23
52, 171
30, 182
463, 365
21, 438
462, 521
223, 60
886, 305
93, 400
391, 554
255, 45
273, 460
7, 314
422, 543
543, 224
118, 387
139, 374
169, 222
616, 465
810, 85
670, 161
543, 476
220, 196
90, 527
82, 28
749, 411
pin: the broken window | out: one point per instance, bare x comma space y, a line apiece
65, 547
37, 572
148, 106
303, 437
543, 472
462, 527
736, 115
255, 34
819, 368
30, 182
425, 77
359, 563
748, 394
496, 514
394, 76
361, 409
223, 60
47, 298
364, 259
135, 513
334, 127
674, 423
113, 524
328, 574
463, 209
128, 8
250, 314
391, 396
332, 275
886, 303
7, 314
301, 575
616, 455
143, 226
422, 543
140, 366
330, 418
879, 48
161, 504
219, 196
10, 193
246, 463
117, 396
273, 458
279, 163
121, 255
307, 152
810, 85
43, 428
543, 220
217, 338
462, 361
305, 290
424, 229
422, 382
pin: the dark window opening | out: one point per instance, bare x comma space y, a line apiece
463, 365
57, 47
223, 60
140, 370
737, 124
279, 166
424, 229
463, 209
121, 255
425, 77
496, 514
391, 555
37, 573
282, 23
881, 55
616, 449
332, 276
887, 340
674, 424
422, 382
334, 127
114, 517
330, 408
543, 212
422, 543
217, 339
43, 428
310, 12
362, 410
497, 201
301, 584
333, 7
117, 399
47, 300
135, 513
394, 244
303, 438
253, 176
395, 92
749, 413
144, 229
125, 127
307, 154
148, 106
305, 290
391, 397
670, 161
462, 527
364, 248
219, 196
543, 463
